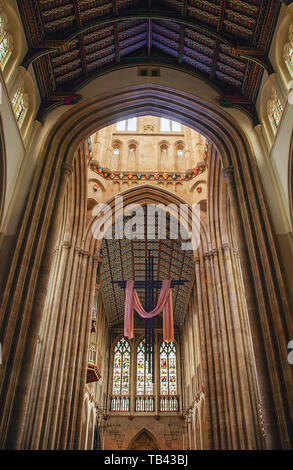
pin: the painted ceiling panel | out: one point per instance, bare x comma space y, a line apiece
224, 41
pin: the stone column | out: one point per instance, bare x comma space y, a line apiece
265, 391
16, 435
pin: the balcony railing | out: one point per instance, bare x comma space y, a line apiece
120, 403
169, 403
145, 403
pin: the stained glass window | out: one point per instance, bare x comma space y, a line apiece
275, 110
4, 49
168, 372
17, 95
121, 369
21, 109
6, 42
144, 376
288, 51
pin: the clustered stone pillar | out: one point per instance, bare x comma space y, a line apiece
265, 390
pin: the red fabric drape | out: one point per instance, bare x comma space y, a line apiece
164, 304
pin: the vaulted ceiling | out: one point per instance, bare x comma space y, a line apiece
225, 42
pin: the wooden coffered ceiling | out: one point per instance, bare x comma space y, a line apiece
125, 259
223, 41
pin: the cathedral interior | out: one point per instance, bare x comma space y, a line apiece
110, 109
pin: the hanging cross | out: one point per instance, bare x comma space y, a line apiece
149, 285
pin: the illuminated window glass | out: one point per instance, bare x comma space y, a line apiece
144, 383
128, 125
121, 126
6, 42
121, 369
21, 110
131, 124
165, 125
170, 126
176, 127
4, 49
116, 151
17, 95
288, 51
275, 110
168, 372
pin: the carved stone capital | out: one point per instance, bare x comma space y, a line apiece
65, 244
81, 252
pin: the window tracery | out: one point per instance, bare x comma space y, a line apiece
288, 51
6, 42
274, 110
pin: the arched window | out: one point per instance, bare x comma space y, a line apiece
21, 109
288, 51
144, 381
93, 353
6, 42
116, 146
274, 110
121, 375
20, 103
179, 149
168, 377
132, 155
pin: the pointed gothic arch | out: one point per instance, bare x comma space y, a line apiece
143, 440
2, 171
267, 305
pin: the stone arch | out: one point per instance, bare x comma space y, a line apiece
290, 180
149, 194
2, 172
144, 434
267, 305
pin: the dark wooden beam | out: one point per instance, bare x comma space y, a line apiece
80, 38
215, 60
116, 40
149, 37
77, 13
181, 44
221, 15
167, 15
116, 31
183, 7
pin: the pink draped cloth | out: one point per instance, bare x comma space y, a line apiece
164, 305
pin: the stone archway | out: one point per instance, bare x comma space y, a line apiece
2, 171
143, 440
290, 180
26, 289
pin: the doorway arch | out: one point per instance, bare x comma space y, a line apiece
143, 440
268, 308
